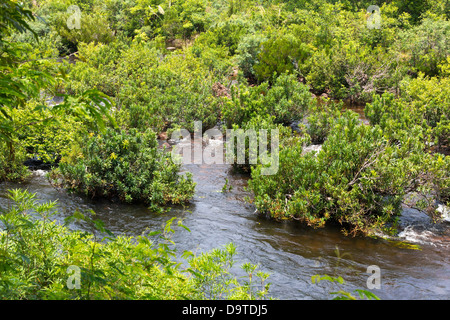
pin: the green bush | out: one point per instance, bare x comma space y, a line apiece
358, 179
247, 54
245, 103
45, 135
40, 257
424, 103
320, 120
425, 46
287, 100
279, 54
149, 91
252, 145
12, 166
127, 165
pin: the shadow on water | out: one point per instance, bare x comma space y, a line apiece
289, 251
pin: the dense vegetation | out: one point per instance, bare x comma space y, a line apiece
39, 259
137, 70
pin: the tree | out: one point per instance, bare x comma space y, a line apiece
21, 80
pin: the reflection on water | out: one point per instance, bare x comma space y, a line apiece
292, 253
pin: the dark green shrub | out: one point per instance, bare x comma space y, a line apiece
247, 54
127, 165
321, 118
245, 103
252, 144
426, 46
288, 99
358, 179
281, 53
12, 163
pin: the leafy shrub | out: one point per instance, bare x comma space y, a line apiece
21, 81
226, 33
279, 54
424, 103
320, 120
39, 252
247, 54
150, 92
12, 168
358, 179
287, 100
252, 144
127, 165
245, 103
45, 135
426, 46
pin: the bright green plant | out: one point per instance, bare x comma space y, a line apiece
426, 45
279, 54
287, 99
245, 103
38, 258
424, 103
44, 134
149, 92
248, 141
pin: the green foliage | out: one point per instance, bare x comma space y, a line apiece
44, 134
358, 179
12, 170
13, 17
320, 120
279, 54
127, 165
149, 91
426, 46
248, 140
245, 103
94, 27
287, 100
424, 103
21, 81
159, 63
248, 51
36, 254
215, 280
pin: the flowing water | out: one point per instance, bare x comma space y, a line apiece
290, 252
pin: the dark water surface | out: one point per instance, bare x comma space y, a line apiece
291, 253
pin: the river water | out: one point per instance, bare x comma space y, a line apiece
290, 252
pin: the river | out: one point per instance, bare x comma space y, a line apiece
290, 252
